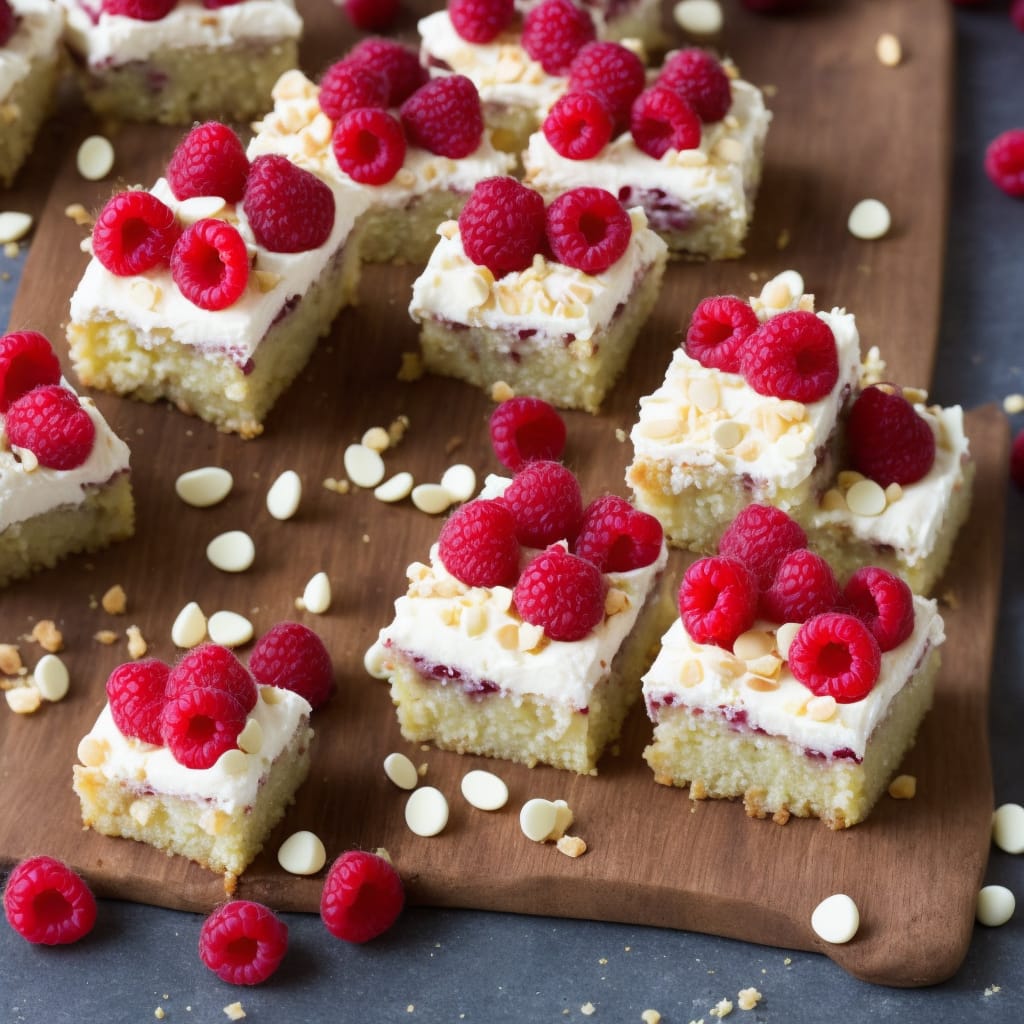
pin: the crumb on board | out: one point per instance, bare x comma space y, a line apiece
48, 636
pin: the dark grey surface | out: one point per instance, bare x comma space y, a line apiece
471, 966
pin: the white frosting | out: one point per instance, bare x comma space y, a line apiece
783, 712
36, 35
112, 39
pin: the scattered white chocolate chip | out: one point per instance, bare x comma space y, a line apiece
484, 790
889, 50
23, 700
14, 225
197, 208
996, 905
375, 661
431, 498
1008, 828
426, 811
459, 481
95, 158
189, 628
537, 819
204, 487
395, 488
401, 771
869, 219
316, 598
364, 466
284, 495
1013, 404
836, 919
229, 629
302, 853
785, 635
50, 678
903, 787
698, 17
233, 551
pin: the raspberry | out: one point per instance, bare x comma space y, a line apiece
883, 602
718, 600
50, 422
1004, 162
199, 725
26, 362
479, 21
617, 537
371, 15
141, 10
210, 264
1017, 14
243, 943
399, 65
212, 667
699, 78
348, 85
362, 896
612, 72
760, 537
578, 126
886, 440
792, 356
294, 658
545, 499
47, 903
835, 655
1017, 460
134, 233
209, 161
588, 229
804, 586
288, 208
525, 428
135, 691
445, 117
554, 32
718, 329
369, 145
502, 225
660, 120
8, 22
561, 593
478, 544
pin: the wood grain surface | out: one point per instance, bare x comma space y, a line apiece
845, 128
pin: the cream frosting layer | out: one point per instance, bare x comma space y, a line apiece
36, 35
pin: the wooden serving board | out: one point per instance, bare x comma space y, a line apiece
845, 128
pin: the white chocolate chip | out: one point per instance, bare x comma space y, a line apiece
377, 438
95, 158
431, 498
727, 434
250, 739
889, 50
836, 919
92, 752
284, 495
426, 812
866, 498
1008, 828
821, 709
23, 700
271, 695
316, 598
14, 225
698, 17
395, 488
189, 629
233, 551
204, 487
229, 629
790, 446
197, 208
996, 905
537, 819
755, 643
704, 394
484, 790
50, 678
364, 466
459, 481
401, 771
375, 661
302, 853
869, 219
233, 762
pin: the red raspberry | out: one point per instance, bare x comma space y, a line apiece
835, 655
50, 422
502, 225
718, 329
886, 440
288, 208
588, 229
1017, 14
445, 117
526, 428
1004, 162
134, 233
718, 600
362, 896
47, 903
212, 667
578, 126
369, 145
294, 658
243, 943
883, 602
199, 725
136, 691
760, 537
661, 120
348, 85
399, 65
792, 356
561, 593
26, 362
699, 78
141, 10
804, 586
479, 21
617, 537
545, 499
554, 32
8, 22
478, 544
371, 15
1017, 460
612, 72
210, 264
209, 161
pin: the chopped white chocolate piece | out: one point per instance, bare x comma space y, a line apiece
484, 790
189, 628
234, 1010
233, 551
51, 678
836, 919
869, 219
1008, 828
426, 811
571, 846
284, 495
204, 487
401, 771
302, 853
364, 466
316, 597
95, 158
996, 905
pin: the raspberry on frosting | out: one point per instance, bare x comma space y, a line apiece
502, 225
134, 232
210, 264
445, 117
399, 64
554, 32
760, 537
47, 903
883, 602
611, 72
243, 943
804, 586
480, 21
27, 361
50, 422
209, 161
718, 330
136, 694
588, 229
524, 428
288, 208
199, 725
292, 657
661, 120
369, 145
545, 500
886, 439
213, 667
700, 79
348, 85
617, 537
578, 126
717, 600
478, 544
835, 655
792, 356
561, 593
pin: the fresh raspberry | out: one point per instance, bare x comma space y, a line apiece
561, 593
348, 85
294, 658
8, 22
578, 126
760, 537
288, 208
660, 120
718, 329
141, 10
47, 903
199, 725
371, 15
445, 117
544, 497
502, 225
612, 72
588, 229
243, 943
399, 65
883, 602
136, 691
526, 428
804, 586
479, 21
50, 422
1017, 14
835, 655
886, 439
209, 161
617, 537
134, 233
210, 264
369, 145
791, 356
554, 32
213, 667
362, 896
699, 78
718, 600
27, 361
1017, 460
478, 544
1004, 162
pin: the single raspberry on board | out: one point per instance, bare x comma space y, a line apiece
502, 225
348, 85
369, 145
835, 655
198, 725
141, 10
886, 439
578, 126
399, 64
588, 229
479, 21
561, 593
791, 356
478, 544
1017, 460
545, 500
525, 428
8, 22
210, 264
209, 161
362, 896
134, 233
371, 15
883, 602
701, 80
48, 903
554, 32
50, 422
27, 361
718, 330
445, 117
760, 537
294, 658
288, 208
617, 537
1004, 161
660, 120
136, 692
213, 667
804, 586
243, 943
718, 600
612, 72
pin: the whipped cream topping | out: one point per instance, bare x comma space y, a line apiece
712, 680
549, 298
35, 36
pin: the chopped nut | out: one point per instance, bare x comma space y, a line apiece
748, 998
721, 1009
615, 601
10, 660
105, 636
114, 601
23, 700
48, 636
411, 368
903, 787
501, 392
79, 214
571, 846
396, 430
137, 646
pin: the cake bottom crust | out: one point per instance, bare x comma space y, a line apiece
22, 111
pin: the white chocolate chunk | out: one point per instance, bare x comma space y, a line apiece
302, 853
189, 628
698, 17
316, 597
431, 498
375, 661
537, 819
229, 629
250, 739
426, 812
233, 551
785, 635
14, 226
866, 498
836, 919
204, 487
401, 771
1008, 828
869, 219
996, 905
396, 488
284, 495
364, 466
484, 790
459, 481
51, 678
95, 158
